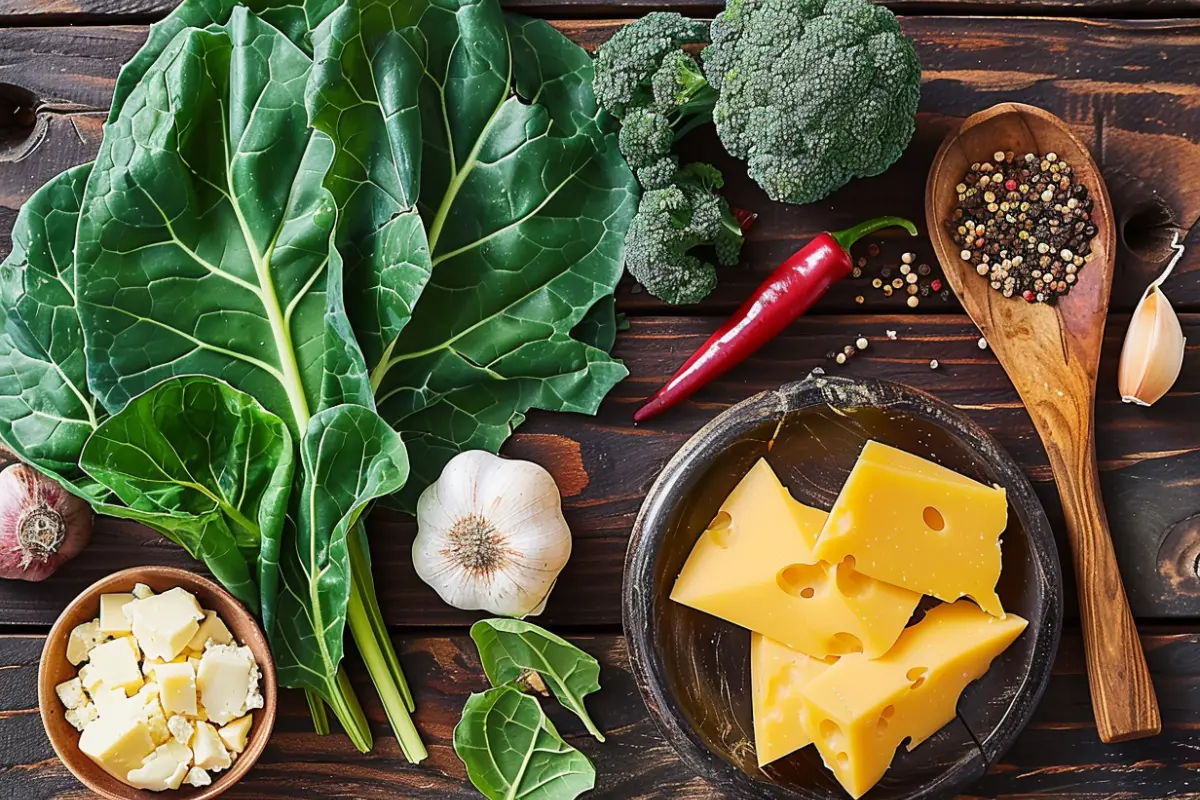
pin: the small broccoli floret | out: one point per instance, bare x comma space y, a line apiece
813, 93
626, 62
672, 221
646, 137
658, 175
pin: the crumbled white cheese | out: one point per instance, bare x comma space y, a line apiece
197, 777
71, 693
82, 639
82, 715
141, 591
181, 728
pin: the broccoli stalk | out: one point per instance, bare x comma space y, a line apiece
676, 219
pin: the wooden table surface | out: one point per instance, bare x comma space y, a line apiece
1124, 73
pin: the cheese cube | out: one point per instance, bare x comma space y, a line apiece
82, 715
165, 623
211, 628
210, 753
177, 688
82, 639
235, 733
228, 682
755, 567
163, 769
181, 729
113, 665
913, 523
112, 614
141, 591
90, 680
110, 701
777, 676
858, 711
71, 693
197, 777
118, 744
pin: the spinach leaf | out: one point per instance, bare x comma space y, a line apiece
46, 409
524, 198
349, 457
511, 750
205, 465
510, 647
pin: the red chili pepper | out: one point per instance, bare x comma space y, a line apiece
790, 291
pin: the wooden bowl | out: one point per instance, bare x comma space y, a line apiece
55, 669
694, 670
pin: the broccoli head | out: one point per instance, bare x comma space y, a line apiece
656, 89
673, 220
812, 93
626, 62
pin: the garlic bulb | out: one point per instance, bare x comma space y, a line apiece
491, 535
1152, 355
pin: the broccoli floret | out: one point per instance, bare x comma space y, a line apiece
813, 93
657, 91
626, 62
673, 220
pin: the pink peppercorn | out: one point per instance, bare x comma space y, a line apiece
1011, 185
1029, 295
936, 285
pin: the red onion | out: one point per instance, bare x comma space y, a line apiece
42, 525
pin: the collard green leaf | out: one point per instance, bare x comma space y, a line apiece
46, 409
512, 751
204, 238
204, 464
349, 457
510, 647
524, 198
295, 19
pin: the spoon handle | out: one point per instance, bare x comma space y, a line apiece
1123, 698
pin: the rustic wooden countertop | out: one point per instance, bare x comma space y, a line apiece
1124, 73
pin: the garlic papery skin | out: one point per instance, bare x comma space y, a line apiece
491, 535
1152, 355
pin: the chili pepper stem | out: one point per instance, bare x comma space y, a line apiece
849, 236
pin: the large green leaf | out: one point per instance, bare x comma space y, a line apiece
204, 248
349, 457
509, 648
46, 409
294, 18
524, 197
512, 751
206, 465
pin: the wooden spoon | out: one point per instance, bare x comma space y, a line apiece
1052, 353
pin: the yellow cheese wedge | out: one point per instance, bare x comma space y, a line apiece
755, 567
859, 711
913, 523
777, 674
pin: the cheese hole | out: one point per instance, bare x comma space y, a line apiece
831, 734
906, 743
844, 643
916, 676
801, 580
933, 519
721, 530
885, 717
850, 582
843, 760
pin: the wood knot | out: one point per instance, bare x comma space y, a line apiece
1179, 557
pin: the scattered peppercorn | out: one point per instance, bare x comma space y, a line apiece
933, 363
841, 358
936, 285
862, 343
860, 299
856, 272
872, 250
1031, 239
983, 343
914, 301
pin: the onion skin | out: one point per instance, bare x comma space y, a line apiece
42, 525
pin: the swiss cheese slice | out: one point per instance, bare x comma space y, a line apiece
858, 711
754, 566
777, 676
913, 523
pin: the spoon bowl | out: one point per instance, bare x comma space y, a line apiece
1051, 353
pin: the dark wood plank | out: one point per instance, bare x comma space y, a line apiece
1149, 460
1130, 89
74, 11
1058, 757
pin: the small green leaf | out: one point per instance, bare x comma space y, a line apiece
205, 465
509, 647
511, 750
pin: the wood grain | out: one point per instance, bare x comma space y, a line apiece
1058, 757
1129, 89
1149, 464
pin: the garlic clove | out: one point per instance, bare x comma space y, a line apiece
1152, 355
